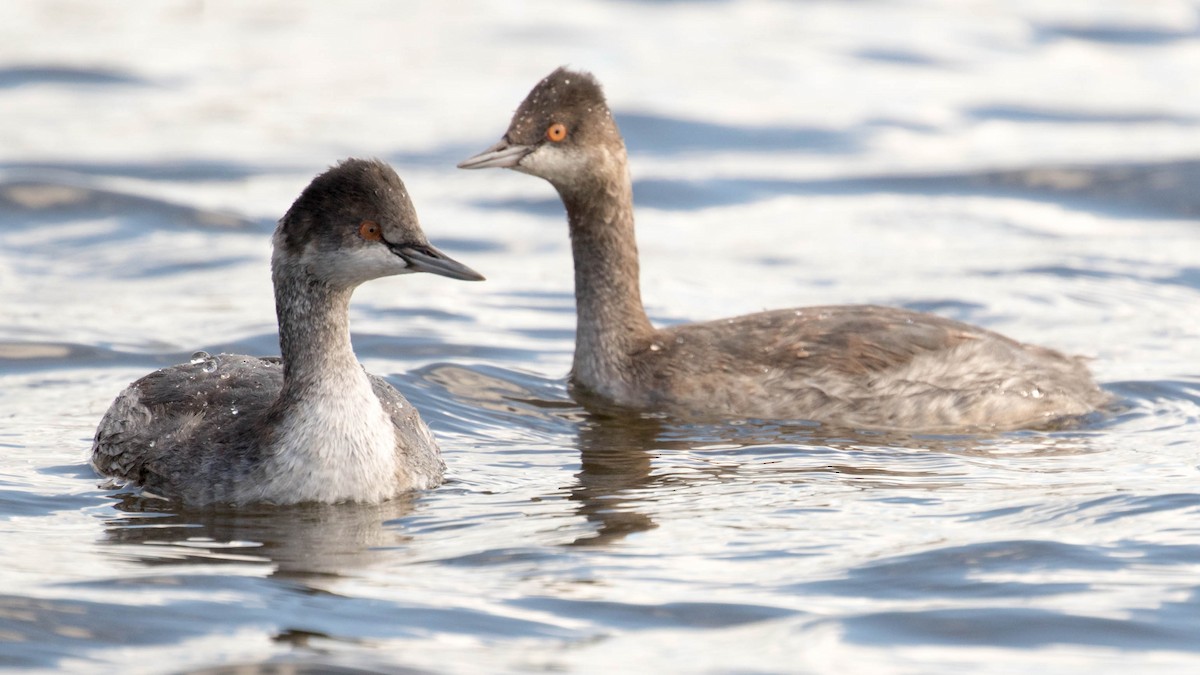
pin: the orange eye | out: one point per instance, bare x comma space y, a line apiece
556, 132
370, 230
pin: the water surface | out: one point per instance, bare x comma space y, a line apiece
1031, 169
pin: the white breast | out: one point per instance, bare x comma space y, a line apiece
337, 444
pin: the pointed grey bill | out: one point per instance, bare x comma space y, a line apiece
426, 258
501, 155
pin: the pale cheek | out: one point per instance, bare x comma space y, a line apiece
351, 268
554, 164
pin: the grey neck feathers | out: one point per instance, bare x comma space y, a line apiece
611, 319
314, 331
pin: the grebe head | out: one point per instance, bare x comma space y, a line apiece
354, 223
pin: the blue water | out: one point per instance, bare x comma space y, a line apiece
1027, 168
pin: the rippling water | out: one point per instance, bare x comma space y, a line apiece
1030, 167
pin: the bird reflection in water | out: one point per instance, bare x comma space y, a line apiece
629, 460
306, 544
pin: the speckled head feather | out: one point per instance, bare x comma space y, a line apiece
571, 98
354, 223
329, 211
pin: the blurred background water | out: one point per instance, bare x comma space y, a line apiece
1027, 166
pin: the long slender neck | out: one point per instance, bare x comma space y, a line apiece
314, 333
611, 319
331, 438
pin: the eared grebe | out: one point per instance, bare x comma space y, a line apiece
853, 365
312, 426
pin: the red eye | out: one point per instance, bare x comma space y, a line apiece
370, 230
556, 132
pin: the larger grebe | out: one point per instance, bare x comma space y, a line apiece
854, 365
312, 426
